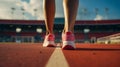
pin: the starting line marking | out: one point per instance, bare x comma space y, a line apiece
57, 59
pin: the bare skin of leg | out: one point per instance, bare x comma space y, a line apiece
49, 13
70, 12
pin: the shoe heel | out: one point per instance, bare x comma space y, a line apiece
68, 45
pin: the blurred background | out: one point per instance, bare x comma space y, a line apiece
22, 21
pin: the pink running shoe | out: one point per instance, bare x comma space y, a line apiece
68, 41
49, 41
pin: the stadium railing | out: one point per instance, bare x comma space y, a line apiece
111, 39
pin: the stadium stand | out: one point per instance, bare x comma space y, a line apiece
96, 29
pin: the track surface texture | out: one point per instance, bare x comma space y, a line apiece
34, 55
24, 55
97, 55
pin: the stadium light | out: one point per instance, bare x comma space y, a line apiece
18, 30
13, 9
39, 30
96, 11
23, 12
84, 10
106, 11
35, 13
35, 10
86, 30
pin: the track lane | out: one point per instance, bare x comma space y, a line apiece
90, 55
34, 55
24, 55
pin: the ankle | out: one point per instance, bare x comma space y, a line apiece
47, 33
68, 30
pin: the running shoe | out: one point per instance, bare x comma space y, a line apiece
49, 41
68, 41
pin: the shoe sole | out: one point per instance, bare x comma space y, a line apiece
68, 47
50, 45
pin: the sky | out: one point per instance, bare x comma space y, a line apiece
87, 10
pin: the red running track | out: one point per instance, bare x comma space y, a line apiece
24, 55
89, 55
34, 55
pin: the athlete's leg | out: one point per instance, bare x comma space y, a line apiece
49, 13
70, 12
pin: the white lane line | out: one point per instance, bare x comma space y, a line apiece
57, 59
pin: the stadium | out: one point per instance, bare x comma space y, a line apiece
22, 35
34, 31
